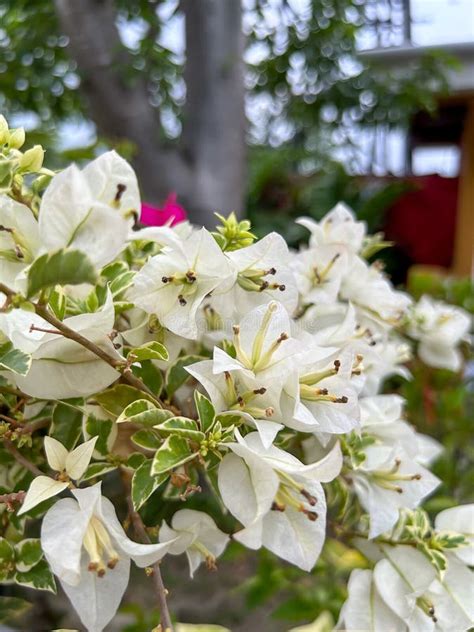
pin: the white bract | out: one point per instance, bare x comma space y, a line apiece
69, 465
339, 226
196, 534
278, 499
174, 283
90, 554
439, 328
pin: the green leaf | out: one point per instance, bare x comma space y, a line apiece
150, 351
67, 424
28, 553
98, 469
150, 375
14, 359
39, 577
121, 282
144, 412
147, 439
174, 451
181, 426
177, 375
205, 410
7, 559
102, 429
65, 267
144, 484
135, 460
57, 302
12, 607
115, 399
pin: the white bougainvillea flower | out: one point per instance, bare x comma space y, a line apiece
69, 465
20, 241
278, 499
321, 397
60, 367
370, 291
339, 226
388, 480
262, 275
459, 520
255, 399
89, 552
409, 585
439, 328
318, 272
174, 283
365, 610
381, 417
90, 210
196, 534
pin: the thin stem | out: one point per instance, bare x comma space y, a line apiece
119, 364
9, 447
142, 534
13, 497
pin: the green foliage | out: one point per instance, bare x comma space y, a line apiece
144, 484
67, 423
173, 452
14, 360
65, 267
24, 565
177, 375
12, 607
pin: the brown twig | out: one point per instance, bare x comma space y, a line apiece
142, 534
11, 498
9, 447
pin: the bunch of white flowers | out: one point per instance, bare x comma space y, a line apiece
181, 363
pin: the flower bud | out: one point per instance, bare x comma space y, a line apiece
32, 160
17, 138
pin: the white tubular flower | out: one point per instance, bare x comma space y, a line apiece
365, 610
196, 534
263, 274
20, 241
90, 210
60, 367
409, 585
88, 550
339, 226
370, 291
69, 465
440, 328
381, 417
278, 499
174, 283
389, 480
318, 272
459, 520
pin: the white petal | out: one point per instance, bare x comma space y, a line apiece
364, 609
96, 599
78, 460
56, 454
62, 534
453, 597
41, 488
247, 487
142, 554
292, 536
460, 520
267, 431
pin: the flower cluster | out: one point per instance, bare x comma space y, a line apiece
182, 363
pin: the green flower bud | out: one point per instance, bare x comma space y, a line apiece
32, 160
17, 138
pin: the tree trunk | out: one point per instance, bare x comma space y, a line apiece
214, 119
206, 168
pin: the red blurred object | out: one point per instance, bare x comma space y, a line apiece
422, 222
171, 213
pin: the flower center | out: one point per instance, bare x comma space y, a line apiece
99, 547
253, 280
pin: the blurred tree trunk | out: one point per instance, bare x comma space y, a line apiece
206, 167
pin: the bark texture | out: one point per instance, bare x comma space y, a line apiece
206, 168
